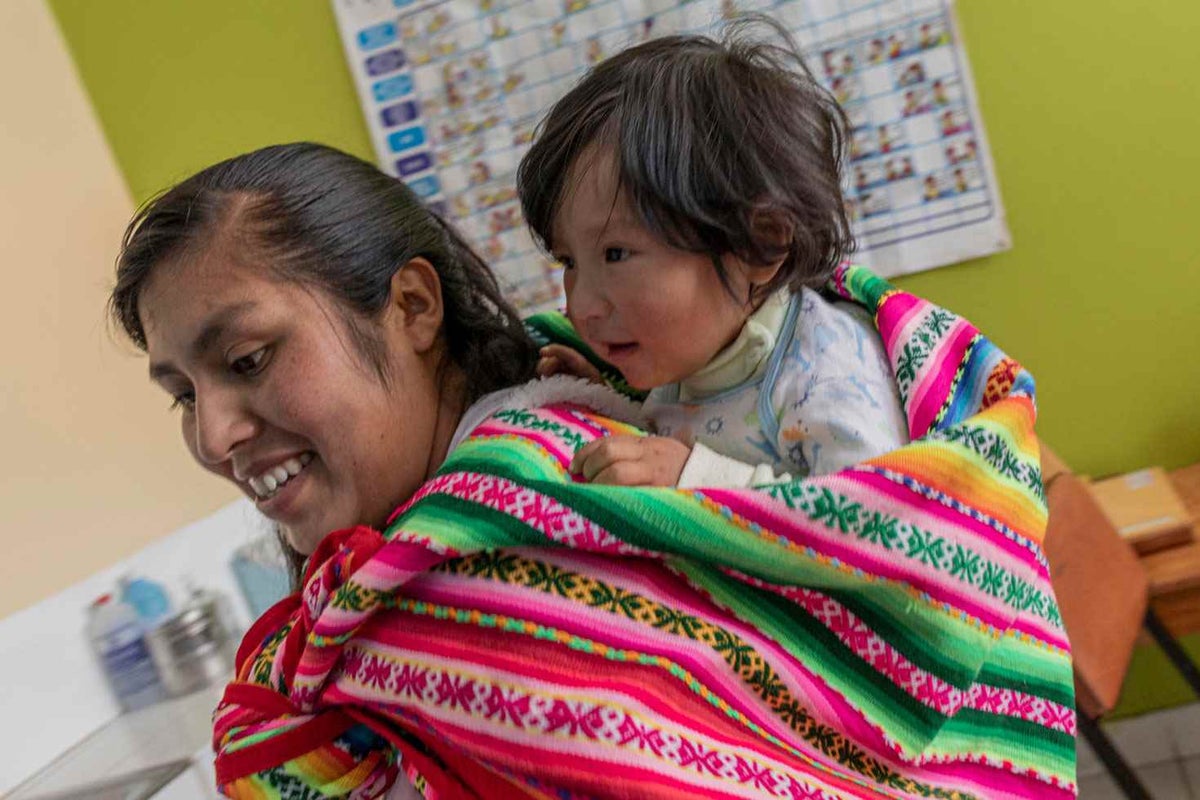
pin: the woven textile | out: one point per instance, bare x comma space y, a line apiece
886, 631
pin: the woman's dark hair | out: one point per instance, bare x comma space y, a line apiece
318, 216
722, 147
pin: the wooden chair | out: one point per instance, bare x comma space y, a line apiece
1103, 595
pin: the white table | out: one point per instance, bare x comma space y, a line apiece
135, 753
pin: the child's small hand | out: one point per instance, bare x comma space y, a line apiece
557, 359
625, 460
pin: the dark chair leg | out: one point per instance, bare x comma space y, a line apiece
1120, 771
1170, 645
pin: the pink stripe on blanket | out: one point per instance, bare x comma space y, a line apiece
646, 577
541, 512
921, 685
547, 441
574, 416
868, 486
1019, 705
896, 313
398, 666
931, 388
1018, 556
637, 766
524, 720
875, 482
701, 660
998, 783
879, 560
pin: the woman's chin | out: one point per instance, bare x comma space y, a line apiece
292, 506
305, 536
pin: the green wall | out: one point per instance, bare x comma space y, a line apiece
1092, 112
180, 84
1091, 108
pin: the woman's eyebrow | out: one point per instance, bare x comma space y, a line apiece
214, 327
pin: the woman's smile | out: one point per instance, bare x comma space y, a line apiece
269, 481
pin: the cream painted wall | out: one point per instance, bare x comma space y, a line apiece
91, 464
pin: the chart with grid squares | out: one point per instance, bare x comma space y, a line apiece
452, 91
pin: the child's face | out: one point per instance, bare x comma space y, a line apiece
656, 313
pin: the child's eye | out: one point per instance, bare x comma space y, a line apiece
613, 254
250, 364
184, 400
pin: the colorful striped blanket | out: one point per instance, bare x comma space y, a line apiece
887, 631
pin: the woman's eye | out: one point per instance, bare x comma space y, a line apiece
613, 254
183, 400
249, 364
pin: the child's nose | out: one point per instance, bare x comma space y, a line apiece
587, 297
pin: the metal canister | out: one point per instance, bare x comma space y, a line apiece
193, 648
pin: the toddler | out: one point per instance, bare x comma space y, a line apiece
691, 190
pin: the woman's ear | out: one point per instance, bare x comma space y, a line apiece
416, 303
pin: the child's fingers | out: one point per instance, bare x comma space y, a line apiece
594, 457
560, 351
625, 473
625, 460
548, 365
574, 361
570, 362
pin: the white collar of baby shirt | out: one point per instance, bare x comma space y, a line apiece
744, 357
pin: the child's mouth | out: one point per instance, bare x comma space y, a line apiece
619, 351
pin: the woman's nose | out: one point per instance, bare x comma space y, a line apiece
222, 423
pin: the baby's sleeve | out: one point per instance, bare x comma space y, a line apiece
706, 467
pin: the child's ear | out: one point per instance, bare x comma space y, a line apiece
416, 305
775, 229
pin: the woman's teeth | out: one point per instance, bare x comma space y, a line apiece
268, 483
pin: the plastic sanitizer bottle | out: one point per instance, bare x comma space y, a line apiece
116, 636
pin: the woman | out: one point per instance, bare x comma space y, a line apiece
480, 624
319, 331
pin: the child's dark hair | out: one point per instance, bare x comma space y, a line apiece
722, 147
317, 216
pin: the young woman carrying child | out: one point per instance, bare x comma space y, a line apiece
476, 622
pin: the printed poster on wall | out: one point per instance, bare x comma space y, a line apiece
452, 91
